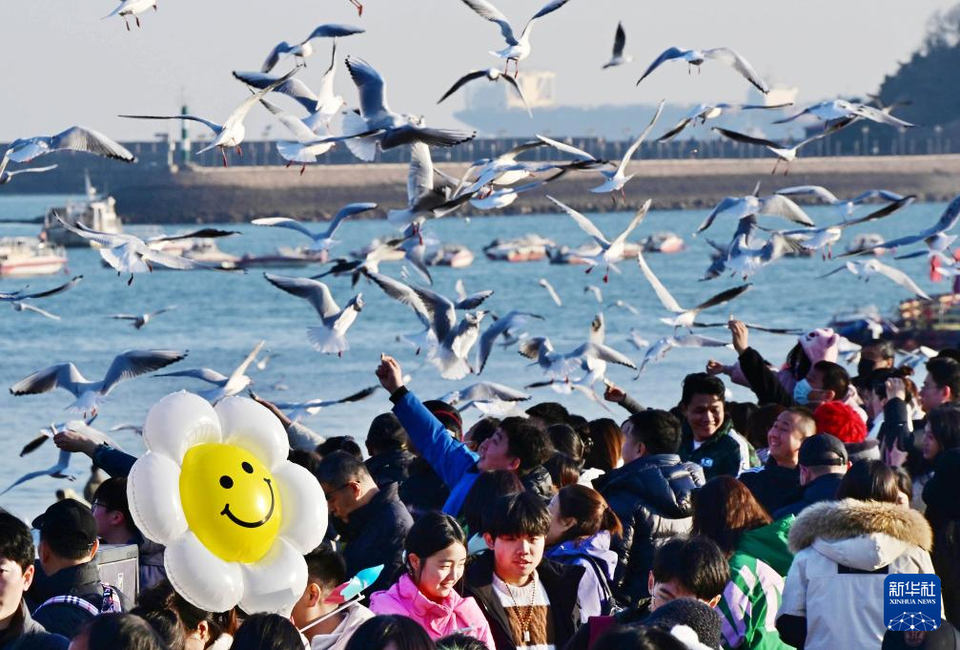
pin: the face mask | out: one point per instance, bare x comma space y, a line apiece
801, 392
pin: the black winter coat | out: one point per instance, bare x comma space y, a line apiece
943, 513
83, 581
773, 486
652, 496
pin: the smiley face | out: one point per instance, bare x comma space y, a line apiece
230, 501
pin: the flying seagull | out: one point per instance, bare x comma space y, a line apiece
518, 48
489, 398
617, 177
322, 241
846, 207
697, 57
80, 426
132, 8
427, 198
90, 394
304, 48
562, 364
490, 74
225, 386
512, 320
839, 111
76, 138
6, 177
139, 321
659, 349
618, 57
330, 337
935, 236
313, 138
784, 153
18, 299
704, 112
297, 411
554, 296
868, 268
55, 471
774, 205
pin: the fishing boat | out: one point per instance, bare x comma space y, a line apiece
529, 248
283, 257
24, 256
94, 211
455, 256
663, 242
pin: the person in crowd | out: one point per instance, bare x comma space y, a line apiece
777, 483
460, 641
725, 511
844, 551
391, 632
823, 461
563, 470
941, 448
387, 443
703, 621
546, 414
321, 624
18, 630
340, 443
371, 521
942, 383
300, 436
529, 601
198, 628
486, 490
69, 592
758, 425
896, 424
639, 638
581, 527
481, 430
267, 632
878, 354
566, 440
838, 419
165, 623
116, 631
436, 554
830, 382
424, 490
707, 438
650, 494
516, 445
115, 526
603, 450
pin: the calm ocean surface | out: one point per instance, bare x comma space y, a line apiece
221, 316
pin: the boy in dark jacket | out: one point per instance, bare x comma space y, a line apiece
706, 438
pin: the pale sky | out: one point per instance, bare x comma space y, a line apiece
65, 66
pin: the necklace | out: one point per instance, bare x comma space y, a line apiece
524, 620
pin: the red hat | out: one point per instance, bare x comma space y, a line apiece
836, 418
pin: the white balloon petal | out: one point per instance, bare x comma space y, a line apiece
153, 494
300, 493
251, 426
202, 578
180, 421
274, 583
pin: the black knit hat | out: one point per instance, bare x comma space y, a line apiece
695, 614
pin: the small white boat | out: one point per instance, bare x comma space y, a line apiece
94, 212
663, 242
529, 248
455, 256
24, 256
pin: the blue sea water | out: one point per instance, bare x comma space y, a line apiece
221, 316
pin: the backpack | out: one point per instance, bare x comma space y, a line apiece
110, 604
608, 605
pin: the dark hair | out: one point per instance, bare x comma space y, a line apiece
606, 442
944, 424
723, 509
386, 434
876, 382
904, 480
945, 373
112, 495
448, 416
431, 533
760, 422
798, 362
481, 430
949, 353
339, 443
883, 347
696, 562
807, 419
637, 637
591, 511
833, 377
704, 620
869, 480
659, 431
161, 597
486, 489
326, 567
526, 442
267, 632
16, 542
582, 427
340, 468
549, 413
309, 460
566, 440
517, 515
380, 632
700, 383
563, 470
460, 641
127, 631
167, 626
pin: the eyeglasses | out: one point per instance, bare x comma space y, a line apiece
328, 495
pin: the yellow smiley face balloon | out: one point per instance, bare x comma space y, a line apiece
230, 500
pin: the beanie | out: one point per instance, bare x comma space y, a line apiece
836, 418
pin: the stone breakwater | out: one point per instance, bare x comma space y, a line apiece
243, 193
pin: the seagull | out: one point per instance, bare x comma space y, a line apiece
623, 304
297, 411
837, 111
611, 252
293, 88
518, 48
595, 290
312, 137
637, 339
331, 336
501, 327
132, 8
406, 295
659, 350
697, 57
130, 254
76, 138
46, 434
618, 57
80, 426
686, 316
868, 268
6, 177
781, 151
774, 205
470, 300
555, 363
232, 131
935, 237
487, 397
554, 296
490, 74
225, 386
846, 207
617, 178
90, 394
505, 196
261, 364
386, 128
140, 320
426, 198
56, 471
303, 49
743, 257
18, 299
704, 112
505, 169
322, 241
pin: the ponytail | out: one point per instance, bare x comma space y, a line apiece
590, 510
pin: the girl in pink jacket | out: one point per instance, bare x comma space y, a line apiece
436, 552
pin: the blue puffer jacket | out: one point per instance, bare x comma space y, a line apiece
591, 593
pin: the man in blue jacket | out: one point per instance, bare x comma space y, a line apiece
516, 445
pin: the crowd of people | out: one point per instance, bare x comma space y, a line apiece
763, 526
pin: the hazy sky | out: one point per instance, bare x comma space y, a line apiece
65, 66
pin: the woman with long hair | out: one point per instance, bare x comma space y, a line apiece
581, 525
436, 552
727, 512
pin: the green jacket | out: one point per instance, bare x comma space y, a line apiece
719, 455
749, 605
769, 543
